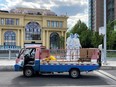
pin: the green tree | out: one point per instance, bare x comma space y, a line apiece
111, 35
61, 41
88, 38
111, 42
67, 34
96, 39
79, 27
85, 39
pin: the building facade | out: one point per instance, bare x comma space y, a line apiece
111, 15
95, 14
25, 26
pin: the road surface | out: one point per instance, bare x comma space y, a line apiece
91, 79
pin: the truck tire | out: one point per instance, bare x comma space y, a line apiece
74, 73
28, 72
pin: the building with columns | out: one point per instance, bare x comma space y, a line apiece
25, 26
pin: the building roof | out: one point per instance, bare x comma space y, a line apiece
32, 11
4, 11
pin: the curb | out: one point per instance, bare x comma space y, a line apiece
108, 68
7, 68
107, 74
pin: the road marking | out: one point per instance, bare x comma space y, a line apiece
107, 74
79, 86
107, 78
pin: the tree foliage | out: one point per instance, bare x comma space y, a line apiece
85, 39
79, 27
88, 38
61, 41
111, 36
96, 39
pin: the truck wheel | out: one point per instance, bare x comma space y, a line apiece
28, 72
74, 73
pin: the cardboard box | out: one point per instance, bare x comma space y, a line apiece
44, 54
83, 53
86, 54
91, 51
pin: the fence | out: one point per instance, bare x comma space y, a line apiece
111, 53
8, 54
11, 54
7, 47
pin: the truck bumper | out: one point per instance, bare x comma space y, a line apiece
17, 67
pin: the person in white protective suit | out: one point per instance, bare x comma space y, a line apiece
70, 46
77, 47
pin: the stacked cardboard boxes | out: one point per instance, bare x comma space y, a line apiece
86, 54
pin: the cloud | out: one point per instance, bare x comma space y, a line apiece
72, 20
75, 9
70, 10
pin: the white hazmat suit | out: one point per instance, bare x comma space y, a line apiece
70, 46
77, 47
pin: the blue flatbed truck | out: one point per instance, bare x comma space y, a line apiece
30, 60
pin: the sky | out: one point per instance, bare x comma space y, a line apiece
75, 9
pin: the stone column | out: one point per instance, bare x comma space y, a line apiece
47, 43
18, 38
43, 38
62, 33
1, 37
65, 39
22, 38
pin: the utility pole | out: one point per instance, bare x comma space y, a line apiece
105, 42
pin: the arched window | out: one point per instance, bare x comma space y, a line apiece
54, 40
32, 31
9, 38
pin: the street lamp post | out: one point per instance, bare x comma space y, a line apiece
105, 46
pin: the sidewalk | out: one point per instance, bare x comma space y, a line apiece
8, 65
110, 65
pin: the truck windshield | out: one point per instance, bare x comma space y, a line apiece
30, 51
21, 52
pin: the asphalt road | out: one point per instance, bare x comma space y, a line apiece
112, 72
16, 79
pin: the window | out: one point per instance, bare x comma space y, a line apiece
52, 23
32, 31
9, 21
17, 21
48, 23
60, 24
9, 38
54, 40
55, 24
2, 21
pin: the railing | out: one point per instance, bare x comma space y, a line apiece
84, 54
8, 54
2, 47
59, 54
111, 53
